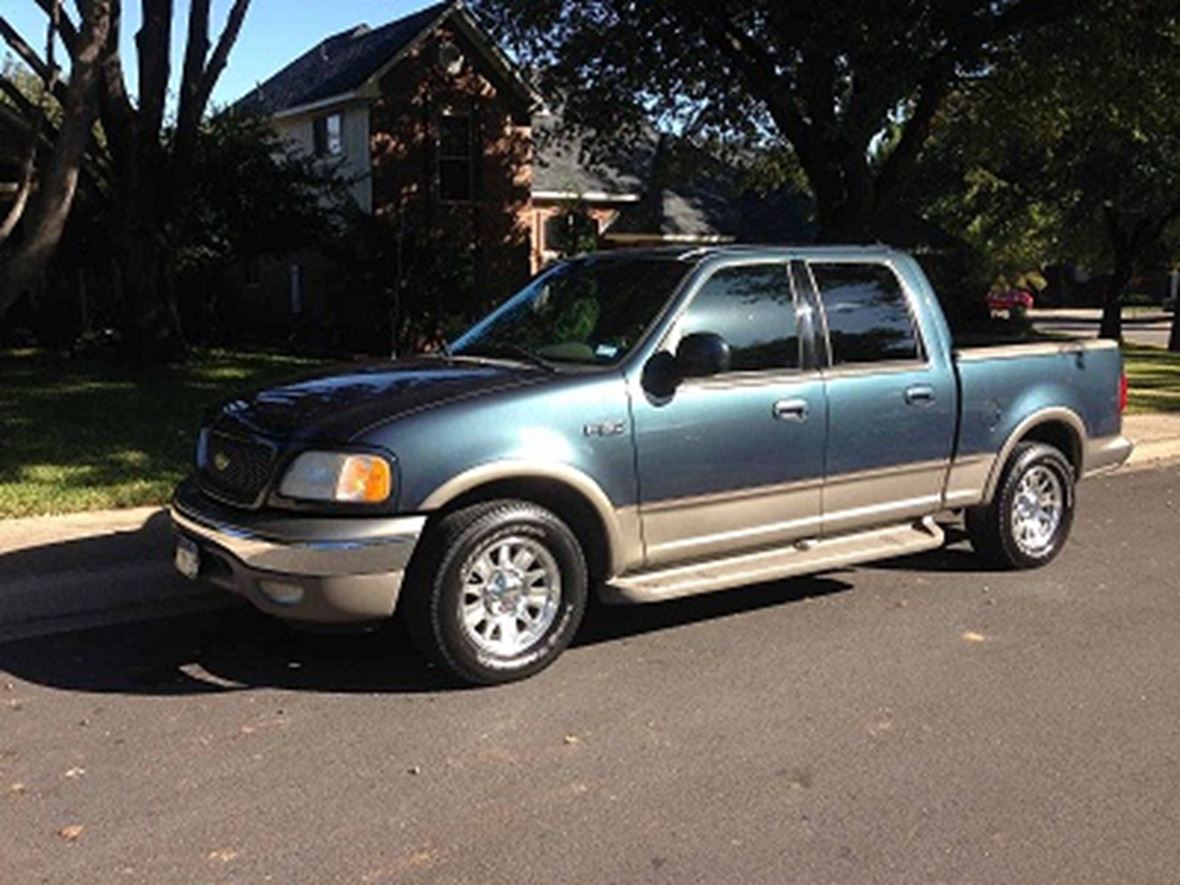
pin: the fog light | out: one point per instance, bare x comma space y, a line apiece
282, 594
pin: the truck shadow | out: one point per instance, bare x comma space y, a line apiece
238, 649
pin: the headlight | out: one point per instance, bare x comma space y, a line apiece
336, 476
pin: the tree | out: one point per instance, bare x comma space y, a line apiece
47, 210
1072, 149
150, 175
853, 90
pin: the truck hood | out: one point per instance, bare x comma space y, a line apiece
335, 405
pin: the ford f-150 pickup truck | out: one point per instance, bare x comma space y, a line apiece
643, 425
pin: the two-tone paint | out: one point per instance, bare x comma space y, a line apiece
741, 464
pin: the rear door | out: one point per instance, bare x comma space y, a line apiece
891, 399
735, 461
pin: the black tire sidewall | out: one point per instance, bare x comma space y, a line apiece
1028, 456
511, 519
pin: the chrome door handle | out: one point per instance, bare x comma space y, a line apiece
791, 410
919, 395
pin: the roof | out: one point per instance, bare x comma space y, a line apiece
344, 62
564, 167
692, 196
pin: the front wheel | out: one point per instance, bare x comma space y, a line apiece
498, 591
1028, 521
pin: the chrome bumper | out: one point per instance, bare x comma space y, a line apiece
1106, 453
316, 569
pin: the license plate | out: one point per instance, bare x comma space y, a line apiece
188, 558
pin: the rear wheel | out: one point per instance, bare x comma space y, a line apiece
498, 591
1028, 521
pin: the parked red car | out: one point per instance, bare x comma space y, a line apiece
1009, 300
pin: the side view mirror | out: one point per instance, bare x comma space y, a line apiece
702, 354
699, 355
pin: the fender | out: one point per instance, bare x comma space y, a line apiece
621, 523
1057, 414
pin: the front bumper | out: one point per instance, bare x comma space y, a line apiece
319, 569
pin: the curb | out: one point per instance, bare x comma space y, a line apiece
63, 573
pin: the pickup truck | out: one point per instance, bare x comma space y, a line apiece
643, 425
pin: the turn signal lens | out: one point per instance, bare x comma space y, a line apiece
364, 478
1124, 388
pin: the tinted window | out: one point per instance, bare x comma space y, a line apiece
752, 309
868, 320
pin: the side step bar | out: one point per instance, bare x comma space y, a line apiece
804, 557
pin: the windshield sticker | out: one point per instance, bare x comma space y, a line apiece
606, 351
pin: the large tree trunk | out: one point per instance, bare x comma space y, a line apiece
49, 208
1174, 337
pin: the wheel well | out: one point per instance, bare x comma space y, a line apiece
566, 503
1062, 437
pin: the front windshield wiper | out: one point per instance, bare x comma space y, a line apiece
511, 351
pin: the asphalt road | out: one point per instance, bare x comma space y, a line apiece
1148, 333
914, 721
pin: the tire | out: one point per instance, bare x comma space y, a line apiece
497, 592
1028, 521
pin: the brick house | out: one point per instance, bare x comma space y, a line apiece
432, 126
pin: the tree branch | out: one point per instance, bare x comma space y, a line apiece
66, 29
29, 56
225, 43
154, 42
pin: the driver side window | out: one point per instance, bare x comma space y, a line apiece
752, 308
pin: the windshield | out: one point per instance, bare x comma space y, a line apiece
591, 311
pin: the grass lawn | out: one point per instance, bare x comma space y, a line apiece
1154, 377
84, 435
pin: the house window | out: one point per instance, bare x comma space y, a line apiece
328, 135
454, 157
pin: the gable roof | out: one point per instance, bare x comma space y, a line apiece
343, 63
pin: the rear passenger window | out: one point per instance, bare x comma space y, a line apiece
868, 319
751, 307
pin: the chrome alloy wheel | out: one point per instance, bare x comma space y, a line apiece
1037, 510
511, 595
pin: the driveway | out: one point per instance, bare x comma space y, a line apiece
916, 720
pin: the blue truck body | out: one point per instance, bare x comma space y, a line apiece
727, 478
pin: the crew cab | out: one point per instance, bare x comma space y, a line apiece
643, 425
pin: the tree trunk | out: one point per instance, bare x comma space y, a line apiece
49, 209
1112, 307
1174, 338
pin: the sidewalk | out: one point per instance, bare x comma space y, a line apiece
70, 572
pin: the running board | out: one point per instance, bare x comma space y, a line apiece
804, 557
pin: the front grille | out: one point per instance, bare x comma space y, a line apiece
234, 470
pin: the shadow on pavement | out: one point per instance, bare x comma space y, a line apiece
238, 648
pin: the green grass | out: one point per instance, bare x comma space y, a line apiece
1154, 377
85, 435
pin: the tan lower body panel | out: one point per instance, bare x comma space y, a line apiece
769, 565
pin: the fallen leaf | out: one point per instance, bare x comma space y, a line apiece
71, 833
972, 636
75, 772
571, 739
414, 769
18, 789
225, 855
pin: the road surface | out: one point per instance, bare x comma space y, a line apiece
912, 721
1151, 331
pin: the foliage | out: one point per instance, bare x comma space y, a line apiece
852, 91
1068, 151
253, 194
84, 434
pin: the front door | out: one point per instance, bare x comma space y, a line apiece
734, 462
